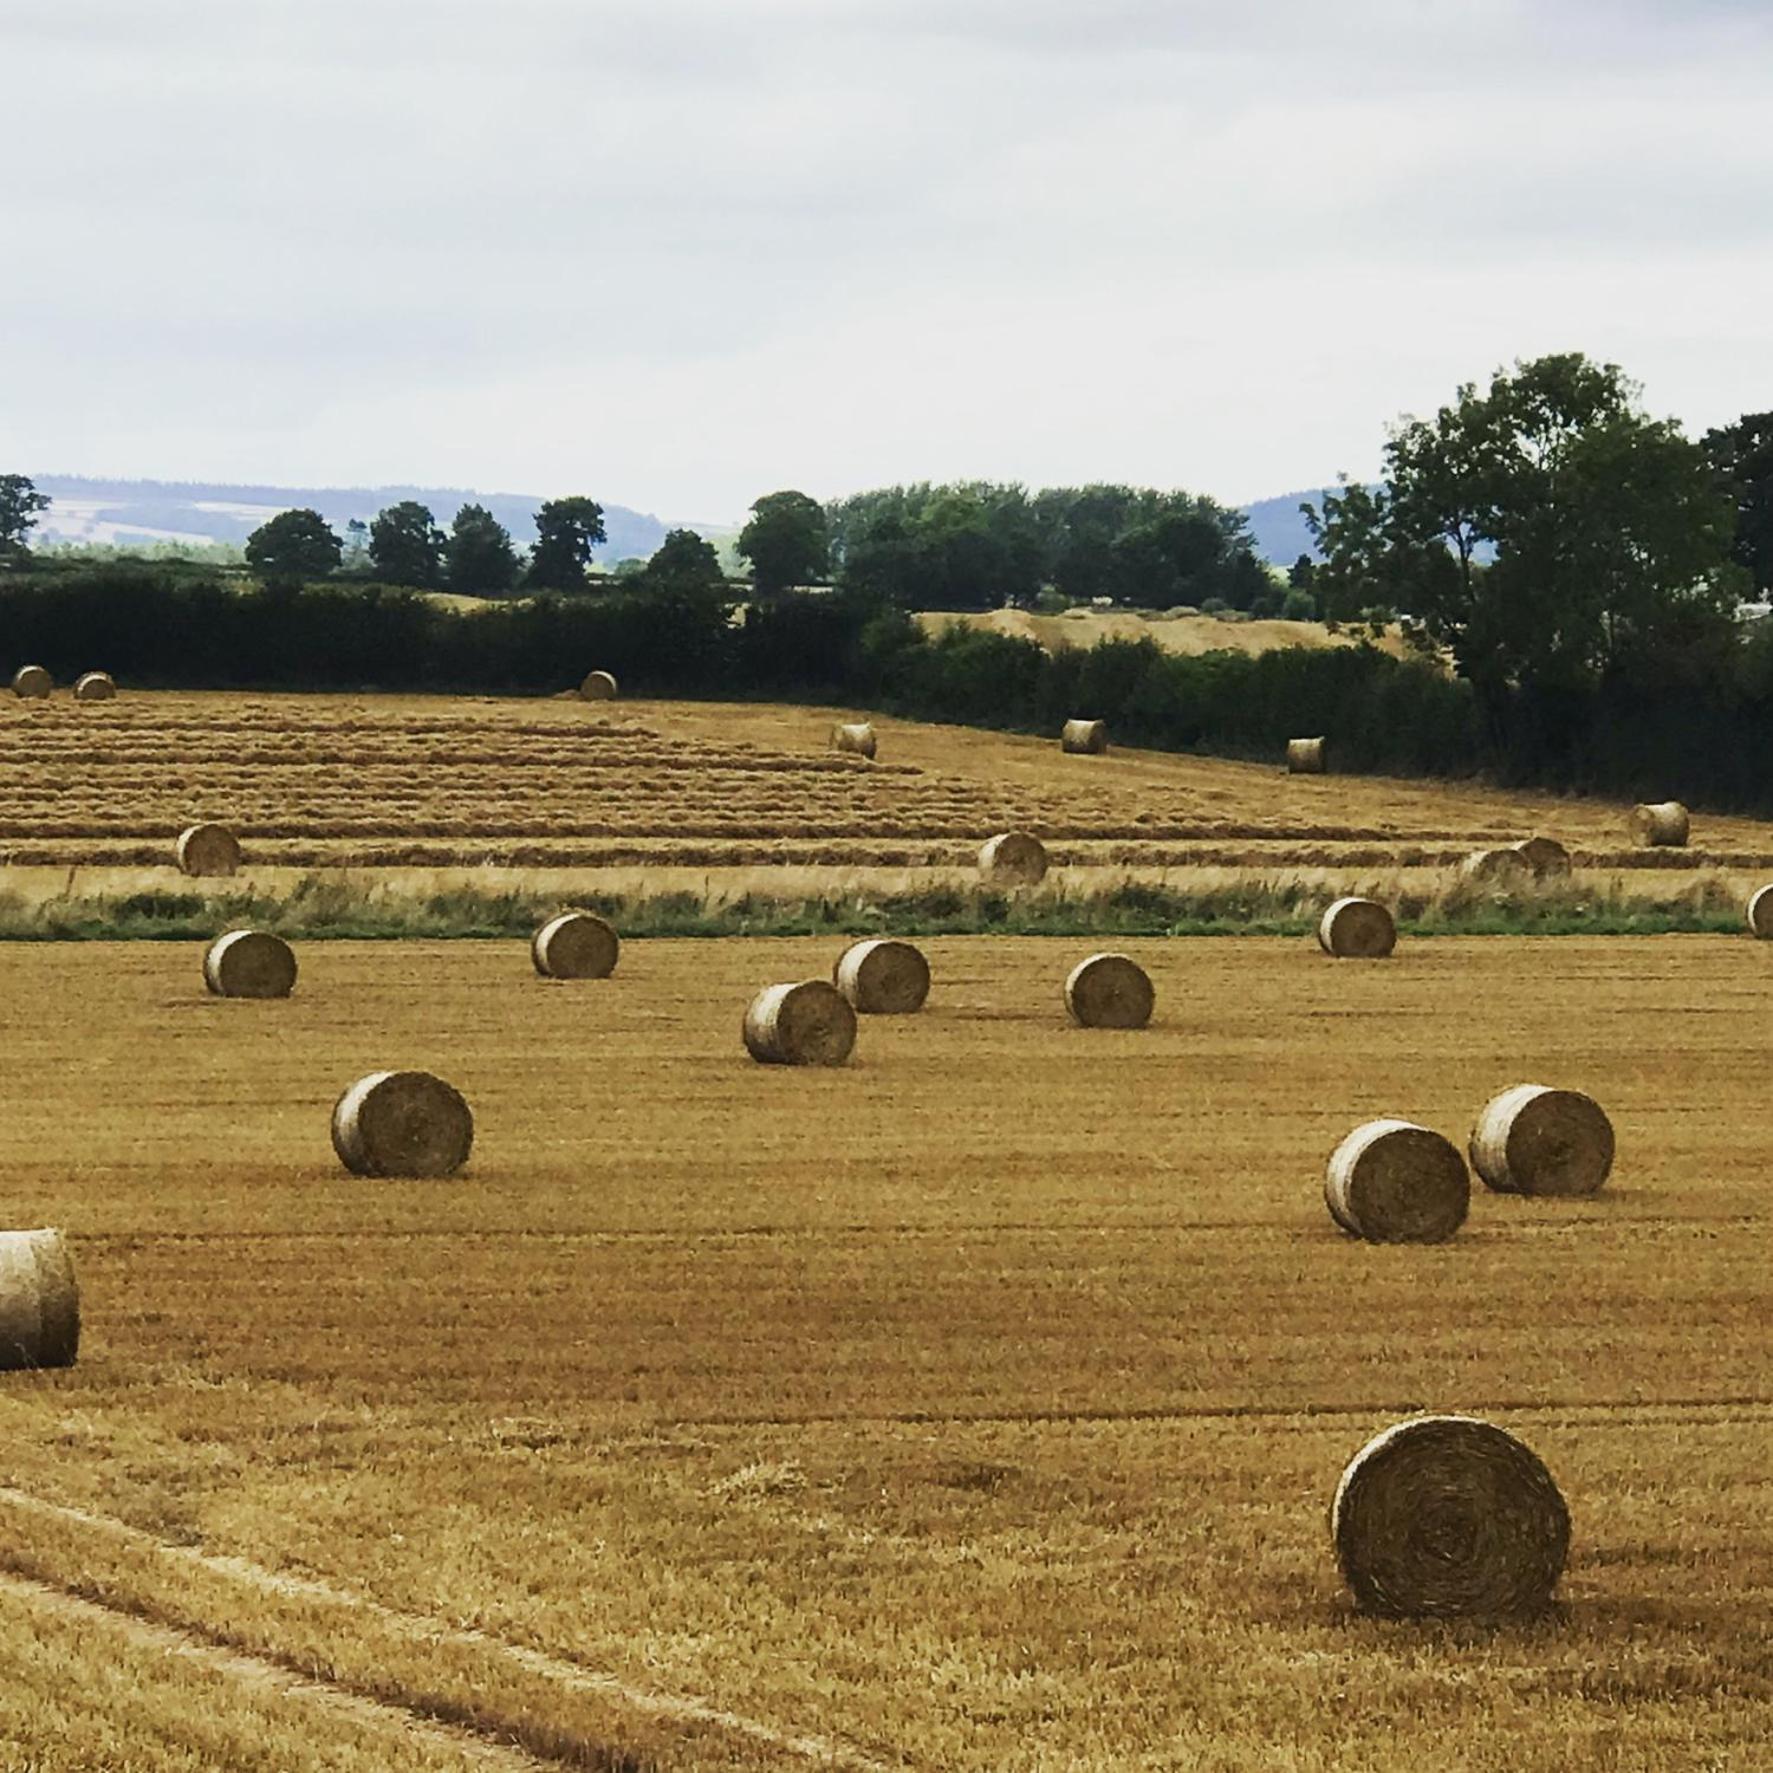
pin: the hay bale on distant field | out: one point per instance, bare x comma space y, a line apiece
575, 945
1305, 757
882, 977
855, 736
1357, 929
1502, 867
1661, 824
31, 683
249, 963
1449, 1517
1109, 991
1544, 855
402, 1123
207, 851
599, 686
1393, 1182
1013, 858
1759, 911
1534, 1140
94, 686
1086, 738
39, 1301
806, 1024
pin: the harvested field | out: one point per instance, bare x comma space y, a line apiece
757, 1417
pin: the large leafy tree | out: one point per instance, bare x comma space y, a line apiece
1545, 532
566, 532
786, 542
684, 561
406, 546
478, 555
20, 502
1742, 454
292, 548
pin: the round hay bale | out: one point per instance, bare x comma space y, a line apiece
1544, 855
855, 736
250, 963
1532, 1140
1393, 1182
402, 1123
1498, 867
1448, 1517
39, 1301
883, 978
1084, 738
1013, 858
806, 1024
1305, 757
1661, 824
599, 686
1760, 911
575, 945
95, 686
1357, 929
31, 683
207, 851
1109, 991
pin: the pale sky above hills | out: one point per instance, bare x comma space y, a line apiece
676, 253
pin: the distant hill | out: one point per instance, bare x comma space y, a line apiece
1278, 529
126, 511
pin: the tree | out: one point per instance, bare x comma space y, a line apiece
292, 548
406, 546
1742, 454
786, 542
684, 562
480, 559
20, 502
567, 530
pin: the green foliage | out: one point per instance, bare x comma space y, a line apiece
786, 542
684, 562
1742, 455
291, 548
406, 546
1299, 605
20, 501
479, 558
566, 532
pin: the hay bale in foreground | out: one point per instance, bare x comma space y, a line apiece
1544, 855
806, 1024
1501, 867
599, 686
1357, 929
882, 977
250, 963
1661, 824
1393, 1182
1305, 757
31, 683
209, 852
39, 1301
1084, 738
1534, 1140
575, 945
402, 1123
855, 736
1109, 991
1449, 1517
1013, 858
95, 686
1759, 911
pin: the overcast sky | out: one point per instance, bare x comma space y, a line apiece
676, 253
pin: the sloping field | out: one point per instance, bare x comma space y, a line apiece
385, 781
1187, 634
975, 1408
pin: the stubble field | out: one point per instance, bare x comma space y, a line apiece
976, 1406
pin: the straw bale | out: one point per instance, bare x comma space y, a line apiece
856, 736
31, 683
882, 977
1544, 855
250, 963
1449, 1517
575, 945
1087, 738
402, 1123
207, 851
1109, 991
1357, 929
1013, 858
1661, 824
1534, 1140
1393, 1182
1305, 757
1502, 867
599, 686
95, 686
810, 1023
39, 1301
1760, 911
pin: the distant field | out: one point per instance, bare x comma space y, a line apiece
1175, 634
973, 1409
